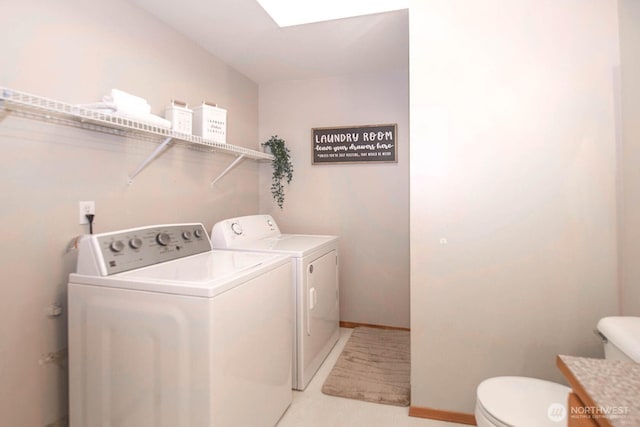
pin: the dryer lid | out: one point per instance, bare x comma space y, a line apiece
624, 333
524, 402
296, 245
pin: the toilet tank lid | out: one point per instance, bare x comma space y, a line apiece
624, 333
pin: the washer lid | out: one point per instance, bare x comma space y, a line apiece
204, 275
624, 333
524, 402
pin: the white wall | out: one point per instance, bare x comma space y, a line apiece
629, 16
365, 204
77, 51
513, 163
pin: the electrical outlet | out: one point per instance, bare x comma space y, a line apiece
85, 208
58, 357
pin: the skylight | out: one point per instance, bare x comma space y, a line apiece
295, 12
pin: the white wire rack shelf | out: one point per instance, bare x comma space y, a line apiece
61, 112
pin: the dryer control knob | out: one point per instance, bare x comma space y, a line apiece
197, 232
163, 239
236, 228
186, 235
116, 246
135, 243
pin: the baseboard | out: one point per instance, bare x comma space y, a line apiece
367, 325
437, 414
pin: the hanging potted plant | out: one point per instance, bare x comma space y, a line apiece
282, 167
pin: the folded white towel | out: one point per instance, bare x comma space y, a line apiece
112, 110
124, 101
122, 97
150, 119
99, 106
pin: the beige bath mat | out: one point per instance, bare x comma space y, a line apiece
374, 366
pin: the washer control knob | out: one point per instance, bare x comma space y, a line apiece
198, 233
135, 243
163, 239
236, 228
116, 246
186, 235
270, 223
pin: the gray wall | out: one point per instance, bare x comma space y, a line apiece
367, 205
629, 236
76, 51
513, 164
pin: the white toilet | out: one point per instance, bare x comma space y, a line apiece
524, 402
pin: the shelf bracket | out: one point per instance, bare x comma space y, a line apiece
149, 159
4, 111
229, 168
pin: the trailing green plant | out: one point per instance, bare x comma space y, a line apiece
282, 167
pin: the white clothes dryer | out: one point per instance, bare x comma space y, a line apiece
165, 332
315, 260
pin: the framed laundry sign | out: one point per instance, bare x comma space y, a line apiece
354, 144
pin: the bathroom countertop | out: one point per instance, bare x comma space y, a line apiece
610, 386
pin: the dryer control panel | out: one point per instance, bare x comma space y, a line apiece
109, 253
229, 232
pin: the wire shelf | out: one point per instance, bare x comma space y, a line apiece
49, 109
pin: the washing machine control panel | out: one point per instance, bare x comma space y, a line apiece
140, 247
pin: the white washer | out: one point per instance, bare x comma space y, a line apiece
165, 332
315, 258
